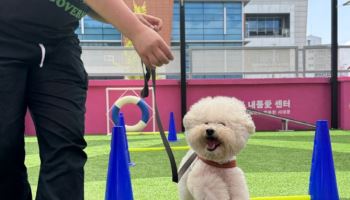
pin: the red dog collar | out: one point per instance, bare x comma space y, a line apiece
230, 164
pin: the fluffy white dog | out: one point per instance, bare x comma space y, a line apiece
217, 129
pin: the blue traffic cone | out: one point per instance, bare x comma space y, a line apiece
323, 183
172, 136
118, 177
121, 122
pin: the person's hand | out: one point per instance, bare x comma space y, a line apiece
154, 23
151, 47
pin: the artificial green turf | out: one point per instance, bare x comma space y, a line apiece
275, 164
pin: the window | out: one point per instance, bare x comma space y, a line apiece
267, 25
208, 24
209, 21
95, 30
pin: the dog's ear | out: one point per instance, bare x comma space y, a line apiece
249, 125
188, 120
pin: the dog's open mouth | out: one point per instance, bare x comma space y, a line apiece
212, 144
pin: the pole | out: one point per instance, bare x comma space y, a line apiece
183, 60
334, 65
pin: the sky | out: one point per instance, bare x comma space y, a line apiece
319, 20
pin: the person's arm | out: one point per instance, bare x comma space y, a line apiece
151, 21
148, 43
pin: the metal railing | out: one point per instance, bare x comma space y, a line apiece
222, 62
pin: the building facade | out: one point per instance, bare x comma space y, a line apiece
276, 22
216, 23
217, 35
313, 40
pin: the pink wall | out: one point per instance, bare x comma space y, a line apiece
303, 99
344, 105
293, 98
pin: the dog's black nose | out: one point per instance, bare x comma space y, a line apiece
210, 132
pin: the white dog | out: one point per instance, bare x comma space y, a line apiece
216, 129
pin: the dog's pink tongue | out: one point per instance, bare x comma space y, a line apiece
212, 144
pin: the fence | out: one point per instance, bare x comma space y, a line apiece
207, 62
107, 61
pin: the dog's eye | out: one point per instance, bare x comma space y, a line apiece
206, 123
222, 123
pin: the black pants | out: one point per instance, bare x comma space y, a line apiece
55, 95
